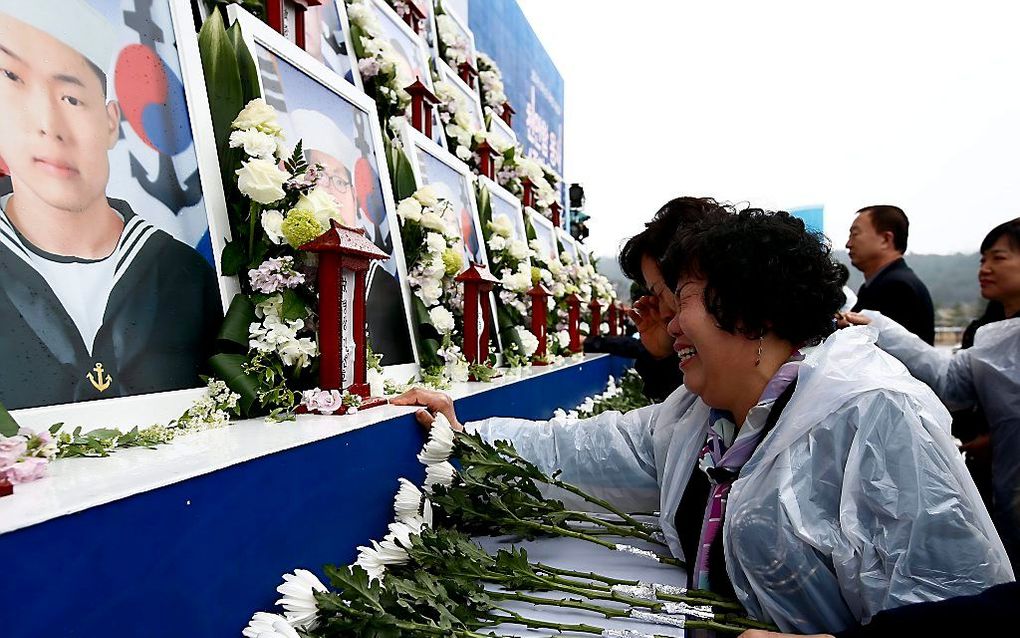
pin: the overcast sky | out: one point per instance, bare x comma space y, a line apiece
786, 104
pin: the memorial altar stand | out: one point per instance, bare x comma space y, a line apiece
191, 538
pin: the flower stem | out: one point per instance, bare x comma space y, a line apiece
253, 220
629, 530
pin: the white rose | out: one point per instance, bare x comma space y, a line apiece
497, 243
409, 210
426, 196
254, 142
502, 225
442, 319
272, 222
258, 115
528, 341
435, 242
563, 337
518, 249
261, 180
433, 222
430, 292
321, 204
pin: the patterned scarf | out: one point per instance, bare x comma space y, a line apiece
722, 464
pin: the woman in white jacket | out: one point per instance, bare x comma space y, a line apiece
821, 489
987, 374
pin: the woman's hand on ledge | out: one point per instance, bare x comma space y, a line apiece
433, 402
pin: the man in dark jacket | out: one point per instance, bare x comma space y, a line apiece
878, 239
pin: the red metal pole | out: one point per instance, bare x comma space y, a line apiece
595, 328
539, 316
330, 307
613, 328
471, 321
574, 322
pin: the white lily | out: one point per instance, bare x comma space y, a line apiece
298, 597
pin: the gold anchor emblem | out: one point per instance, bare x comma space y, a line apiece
99, 383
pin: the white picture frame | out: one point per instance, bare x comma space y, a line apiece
328, 40
567, 244
125, 412
454, 181
502, 131
413, 51
544, 233
264, 42
468, 95
463, 31
504, 202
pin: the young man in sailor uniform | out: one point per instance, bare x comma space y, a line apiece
95, 302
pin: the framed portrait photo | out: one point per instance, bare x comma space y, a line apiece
468, 97
454, 33
567, 244
453, 181
112, 217
503, 202
328, 39
505, 136
412, 56
339, 130
544, 234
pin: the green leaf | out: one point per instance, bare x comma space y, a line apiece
354, 585
230, 368
222, 77
233, 259
233, 335
8, 426
247, 69
293, 306
404, 184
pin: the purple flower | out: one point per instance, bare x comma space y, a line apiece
24, 471
274, 275
11, 449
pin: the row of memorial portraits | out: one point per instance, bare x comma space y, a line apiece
112, 216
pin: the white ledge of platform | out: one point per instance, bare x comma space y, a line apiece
76, 484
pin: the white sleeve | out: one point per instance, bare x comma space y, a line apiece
610, 455
948, 374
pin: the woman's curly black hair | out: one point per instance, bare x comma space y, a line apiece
654, 241
764, 272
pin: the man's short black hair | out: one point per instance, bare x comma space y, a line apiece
886, 218
764, 272
655, 239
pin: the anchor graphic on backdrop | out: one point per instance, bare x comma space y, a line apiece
99, 382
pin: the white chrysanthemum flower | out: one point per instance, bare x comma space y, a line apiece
435, 242
426, 513
440, 444
433, 221
497, 243
430, 292
298, 599
370, 560
407, 503
439, 474
442, 319
563, 338
518, 249
266, 625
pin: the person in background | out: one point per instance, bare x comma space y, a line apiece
878, 240
640, 258
820, 488
987, 374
